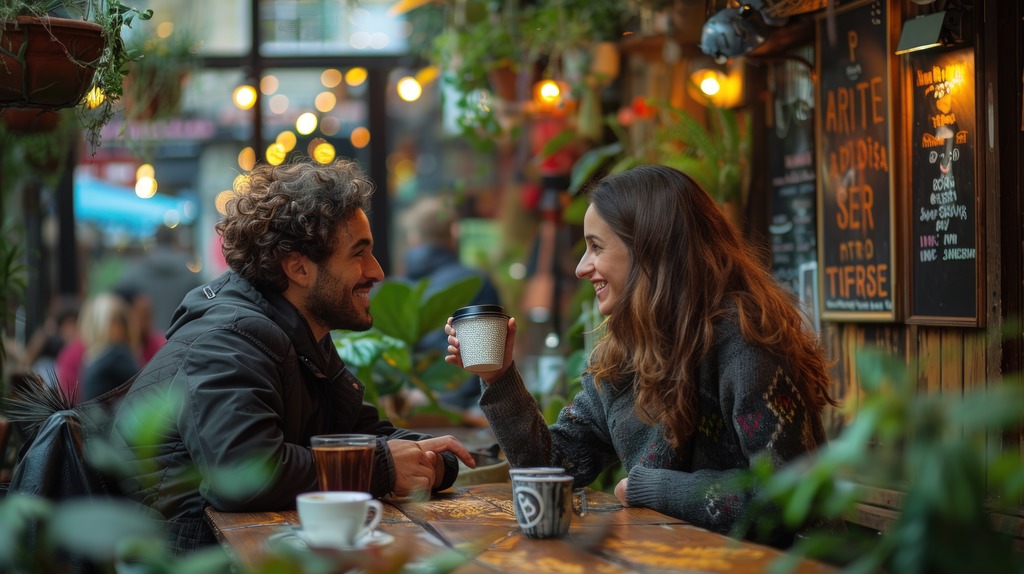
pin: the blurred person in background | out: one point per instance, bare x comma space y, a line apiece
106, 329
58, 329
146, 339
163, 272
431, 234
142, 339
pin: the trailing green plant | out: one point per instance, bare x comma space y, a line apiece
938, 449
111, 67
386, 358
154, 84
714, 151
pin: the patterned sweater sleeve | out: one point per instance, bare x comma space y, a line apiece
765, 419
578, 441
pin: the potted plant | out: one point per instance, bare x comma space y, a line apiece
156, 79
53, 53
385, 357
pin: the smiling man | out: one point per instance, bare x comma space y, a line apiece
249, 372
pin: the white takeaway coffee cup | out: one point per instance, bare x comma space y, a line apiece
481, 330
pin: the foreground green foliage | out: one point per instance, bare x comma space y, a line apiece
931, 447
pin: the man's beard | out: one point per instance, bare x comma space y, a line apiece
336, 307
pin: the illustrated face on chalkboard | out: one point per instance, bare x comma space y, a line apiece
945, 158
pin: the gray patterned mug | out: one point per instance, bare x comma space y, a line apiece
543, 504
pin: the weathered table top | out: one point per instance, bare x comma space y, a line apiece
475, 529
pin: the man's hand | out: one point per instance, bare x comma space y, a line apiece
419, 467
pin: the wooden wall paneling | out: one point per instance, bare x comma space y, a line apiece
929, 360
833, 419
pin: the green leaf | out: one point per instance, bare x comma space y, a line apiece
395, 310
94, 527
435, 310
590, 162
555, 144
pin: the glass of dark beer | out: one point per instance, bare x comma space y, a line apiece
344, 461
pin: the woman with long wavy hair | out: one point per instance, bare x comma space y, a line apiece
703, 367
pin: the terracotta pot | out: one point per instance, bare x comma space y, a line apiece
29, 120
58, 65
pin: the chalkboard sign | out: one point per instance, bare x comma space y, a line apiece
945, 254
856, 249
793, 184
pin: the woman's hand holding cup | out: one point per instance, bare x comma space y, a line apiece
479, 360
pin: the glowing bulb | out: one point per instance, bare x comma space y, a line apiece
94, 98
356, 76
710, 84
306, 123
323, 153
244, 97
144, 170
145, 187
276, 154
549, 91
409, 89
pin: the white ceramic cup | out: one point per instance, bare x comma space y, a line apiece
481, 330
337, 519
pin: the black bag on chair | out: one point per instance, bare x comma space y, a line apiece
52, 463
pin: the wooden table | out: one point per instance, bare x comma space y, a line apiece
475, 529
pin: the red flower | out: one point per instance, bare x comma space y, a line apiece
642, 109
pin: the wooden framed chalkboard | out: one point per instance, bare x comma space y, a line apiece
792, 181
945, 255
857, 263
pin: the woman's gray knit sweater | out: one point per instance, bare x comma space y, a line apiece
749, 409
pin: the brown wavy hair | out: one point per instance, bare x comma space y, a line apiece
289, 208
689, 268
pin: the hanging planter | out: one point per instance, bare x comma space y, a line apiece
29, 120
48, 62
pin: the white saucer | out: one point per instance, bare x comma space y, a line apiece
296, 537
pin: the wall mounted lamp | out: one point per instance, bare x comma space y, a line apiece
921, 33
944, 28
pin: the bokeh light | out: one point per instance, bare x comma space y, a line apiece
330, 78
325, 102
247, 159
276, 154
360, 137
306, 123
221, 203
409, 89
278, 103
144, 170
356, 76
269, 84
244, 97
94, 98
287, 139
145, 187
